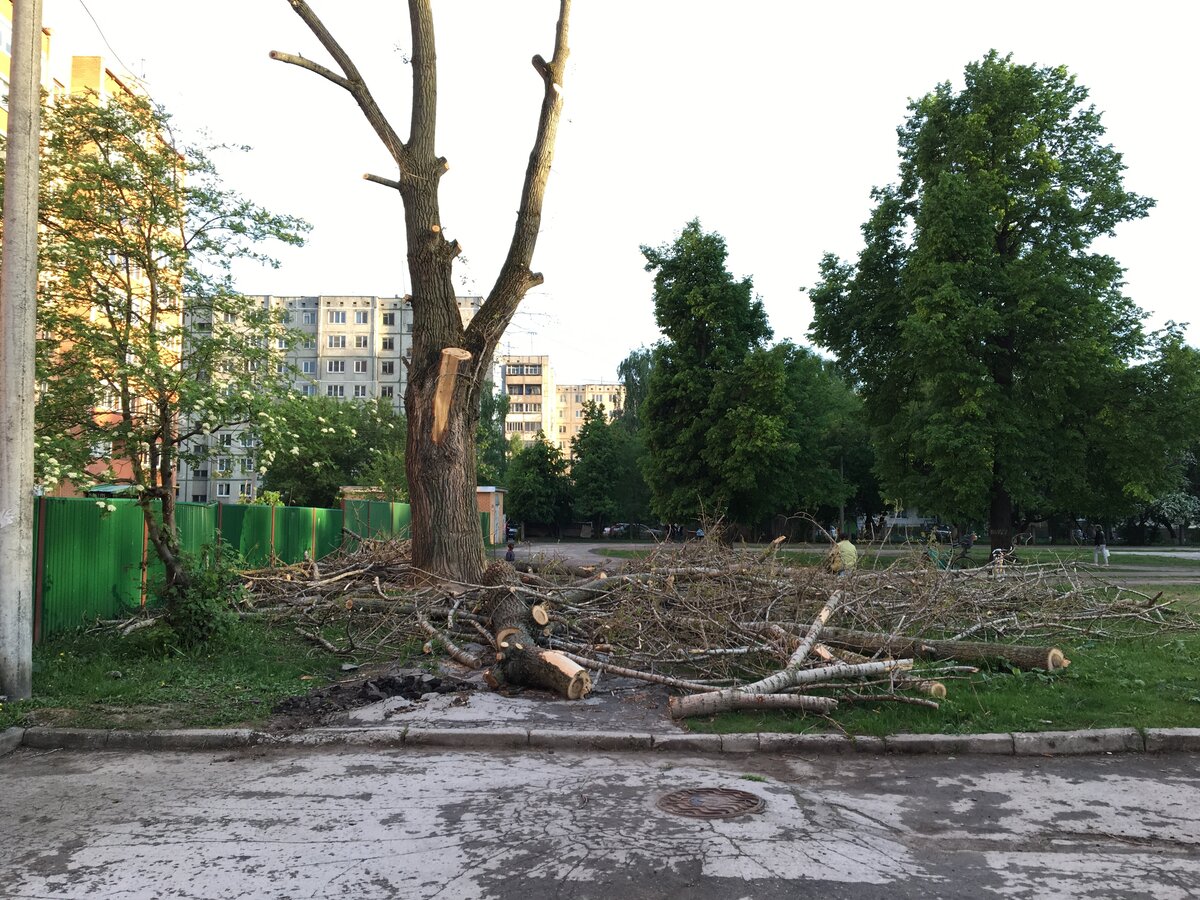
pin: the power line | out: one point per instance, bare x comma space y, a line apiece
116, 55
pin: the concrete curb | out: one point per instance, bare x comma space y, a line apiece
10, 739
1048, 743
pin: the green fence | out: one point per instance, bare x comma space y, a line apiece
92, 562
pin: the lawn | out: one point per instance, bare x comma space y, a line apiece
100, 680
1145, 682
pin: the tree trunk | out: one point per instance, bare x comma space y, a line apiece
520, 660
1048, 658
1000, 518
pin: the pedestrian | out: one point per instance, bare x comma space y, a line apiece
844, 556
510, 555
1100, 547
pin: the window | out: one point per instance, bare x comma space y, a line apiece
230, 318
199, 498
579, 398
533, 389
516, 390
337, 341
387, 368
337, 317
280, 343
280, 368
408, 327
308, 344
223, 489
387, 391
246, 490
389, 319
308, 390
360, 367
335, 366
221, 464
562, 429
200, 473
309, 367
247, 465
308, 317
360, 317
360, 390
335, 390
226, 440
360, 342
252, 365
389, 343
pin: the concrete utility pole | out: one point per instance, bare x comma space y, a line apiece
18, 323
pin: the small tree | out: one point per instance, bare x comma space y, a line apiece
595, 467
146, 349
491, 448
539, 489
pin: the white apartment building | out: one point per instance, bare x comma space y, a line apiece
351, 347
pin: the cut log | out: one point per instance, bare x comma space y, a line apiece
540, 614
786, 677
907, 682
720, 701
1048, 658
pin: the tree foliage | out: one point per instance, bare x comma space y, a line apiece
491, 447
539, 488
313, 446
595, 466
1000, 364
733, 427
138, 363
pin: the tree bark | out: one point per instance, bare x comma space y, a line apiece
708, 704
520, 660
1048, 658
1000, 518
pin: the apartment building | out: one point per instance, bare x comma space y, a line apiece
351, 347
571, 400
528, 382
52, 86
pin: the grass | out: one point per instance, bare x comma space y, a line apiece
75, 679
1152, 681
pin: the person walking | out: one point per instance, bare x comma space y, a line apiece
1100, 548
510, 555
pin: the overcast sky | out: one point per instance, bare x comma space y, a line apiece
769, 120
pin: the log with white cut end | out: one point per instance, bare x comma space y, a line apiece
786, 677
1048, 658
925, 686
742, 698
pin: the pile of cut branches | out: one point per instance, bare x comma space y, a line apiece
724, 628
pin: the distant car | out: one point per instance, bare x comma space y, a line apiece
620, 529
511, 532
647, 531
943, 532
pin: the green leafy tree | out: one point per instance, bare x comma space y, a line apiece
634, 373
595, 467
491, 448
732, 426
991, 346
138, 362
314, 446
539, 489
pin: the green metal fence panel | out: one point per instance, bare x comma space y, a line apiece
380, 519
248, 530
485, 523
357, 519
91, 562
294, 533
328, 529
197, 524
402, 520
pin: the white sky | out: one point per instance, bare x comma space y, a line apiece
769, 120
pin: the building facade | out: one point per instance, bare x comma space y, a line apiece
350, 347
528, 382
571, 400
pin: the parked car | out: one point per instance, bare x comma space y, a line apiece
512, 531
620, 529
647, 531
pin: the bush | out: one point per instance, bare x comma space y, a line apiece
204, 611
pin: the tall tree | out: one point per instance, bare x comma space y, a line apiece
634, 373
146, 349
595, 467
991, 345
443, 408
539, 489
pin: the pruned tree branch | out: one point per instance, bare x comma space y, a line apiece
302, 62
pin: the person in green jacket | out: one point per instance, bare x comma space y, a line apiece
844, 557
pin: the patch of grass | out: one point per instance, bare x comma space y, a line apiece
1145, 682
758, 778
234, 682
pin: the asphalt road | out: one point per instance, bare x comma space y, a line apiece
406, 824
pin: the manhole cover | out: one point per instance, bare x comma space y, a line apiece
711, 803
